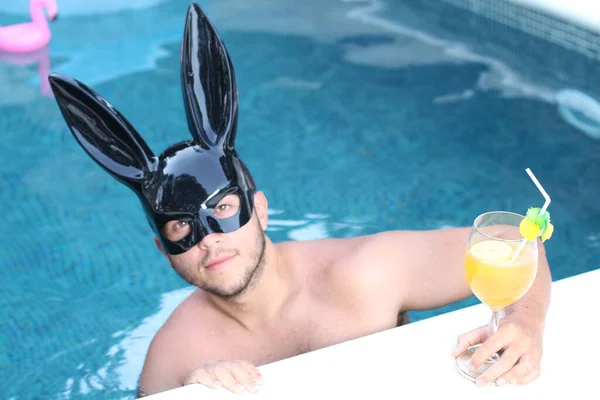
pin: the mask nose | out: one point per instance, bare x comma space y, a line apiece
209, 223
211, 230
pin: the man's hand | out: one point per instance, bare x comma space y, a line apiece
236, 376
521, 343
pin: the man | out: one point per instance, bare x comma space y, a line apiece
257, 301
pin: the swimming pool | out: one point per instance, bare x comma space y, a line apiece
377, 115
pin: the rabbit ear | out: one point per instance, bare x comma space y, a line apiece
102, 131
208, 82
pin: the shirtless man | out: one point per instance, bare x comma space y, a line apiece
258, 302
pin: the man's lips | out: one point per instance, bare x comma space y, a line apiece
218, 263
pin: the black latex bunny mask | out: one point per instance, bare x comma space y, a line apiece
188, 179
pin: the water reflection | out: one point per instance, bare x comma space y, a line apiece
39, 58
580, 110
124, 359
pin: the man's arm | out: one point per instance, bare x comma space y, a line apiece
425, 270
159, 372
534, 305
422, 270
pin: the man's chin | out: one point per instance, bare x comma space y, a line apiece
227, 286
227, 295
229, 292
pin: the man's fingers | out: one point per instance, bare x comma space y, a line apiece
530, 377
223, 374
469, 339
522, 373
506, 362
235, 376
243, 376
253, 371
203, 377
492, 345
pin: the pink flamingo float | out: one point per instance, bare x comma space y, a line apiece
30, 36
27, 43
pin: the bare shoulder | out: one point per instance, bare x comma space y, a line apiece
333, 266
414, 241
165, 364
381, 267
416, 269
398, 254
397, 249
317, 257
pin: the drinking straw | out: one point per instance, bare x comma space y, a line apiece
543, 210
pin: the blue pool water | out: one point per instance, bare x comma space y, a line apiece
355, 117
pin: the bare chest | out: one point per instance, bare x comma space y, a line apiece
295, 336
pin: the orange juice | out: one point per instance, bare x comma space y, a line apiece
494, 278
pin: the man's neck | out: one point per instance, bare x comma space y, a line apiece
262, 301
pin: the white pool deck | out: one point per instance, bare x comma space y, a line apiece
582, 12
415, 360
